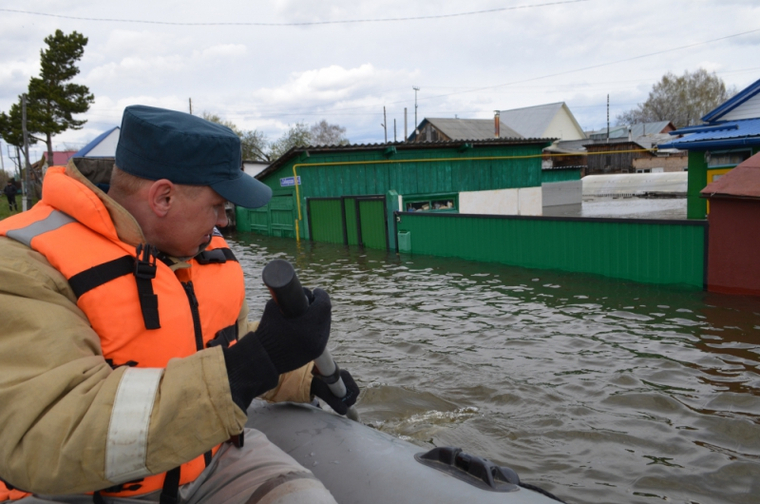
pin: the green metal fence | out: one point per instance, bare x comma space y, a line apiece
650, 251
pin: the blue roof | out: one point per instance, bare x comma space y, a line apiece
734, 102
87, 148
729, 134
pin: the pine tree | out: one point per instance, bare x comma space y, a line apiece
53, 98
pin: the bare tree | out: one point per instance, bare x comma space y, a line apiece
680, 99
324, 133
253, 142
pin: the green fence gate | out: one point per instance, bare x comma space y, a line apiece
351, 220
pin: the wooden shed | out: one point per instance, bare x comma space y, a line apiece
734, 238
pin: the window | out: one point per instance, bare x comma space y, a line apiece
726, 158
433, 203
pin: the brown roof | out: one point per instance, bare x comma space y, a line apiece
741, 182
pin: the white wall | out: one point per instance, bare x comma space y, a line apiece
569, 192
523, 201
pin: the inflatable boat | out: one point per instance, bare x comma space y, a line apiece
362, 465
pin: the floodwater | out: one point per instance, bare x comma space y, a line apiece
598, 390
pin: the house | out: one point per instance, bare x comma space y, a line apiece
729, 136
347, 194
632, 131
552, 120
734, 238
102, 146
448, 130
633, 155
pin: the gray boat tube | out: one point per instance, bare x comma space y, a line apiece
362, 465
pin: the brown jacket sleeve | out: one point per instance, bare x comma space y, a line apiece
57, 391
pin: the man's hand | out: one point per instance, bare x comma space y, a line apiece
293, 342
340, 404
277, 346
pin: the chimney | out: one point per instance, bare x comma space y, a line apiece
496, 123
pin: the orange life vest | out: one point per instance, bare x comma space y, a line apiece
161, 314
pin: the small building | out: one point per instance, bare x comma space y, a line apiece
347, 194
734, 239
730, 135
614, 156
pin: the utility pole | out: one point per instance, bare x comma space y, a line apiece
190, 101
405, 121
415, 109
385, 126
28, 199
394, 130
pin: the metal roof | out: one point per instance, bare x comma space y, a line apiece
469, 129
637, 130
728, 134
530, 122
90, 150
741, 182
734, 102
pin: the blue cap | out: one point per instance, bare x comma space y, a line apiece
157, 143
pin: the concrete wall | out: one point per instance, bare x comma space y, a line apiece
523, 201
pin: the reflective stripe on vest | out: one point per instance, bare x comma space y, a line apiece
52, 222
127, 442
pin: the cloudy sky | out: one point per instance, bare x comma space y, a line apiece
266, 64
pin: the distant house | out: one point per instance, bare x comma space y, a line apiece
450, 130
102, 146
61, 157
730, 135
632, 131
630, 149
552, 120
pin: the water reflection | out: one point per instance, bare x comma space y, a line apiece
599, 390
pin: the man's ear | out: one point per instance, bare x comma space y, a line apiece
161, 196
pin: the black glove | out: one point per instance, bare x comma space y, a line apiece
278, 345
340, 404
293, 342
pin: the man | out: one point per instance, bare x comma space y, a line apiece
10, 192
126, 358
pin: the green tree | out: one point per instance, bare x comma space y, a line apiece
684, 99
53, 98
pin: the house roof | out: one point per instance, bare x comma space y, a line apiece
728, 134
104, 145
637, 130
467, 129
533, 122
734, 123
751, 92
741, 182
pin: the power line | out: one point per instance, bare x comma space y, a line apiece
304, 23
